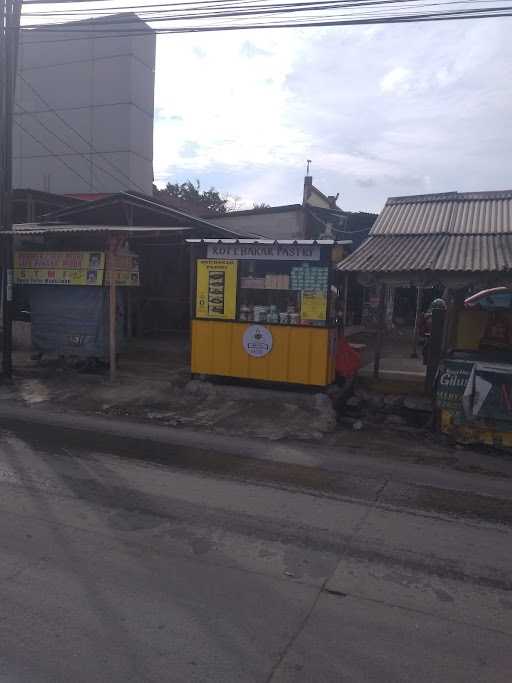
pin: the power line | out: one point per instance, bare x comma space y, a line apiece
99, 30
260, 10
135, 8
232, 9
84, 139
351, 232
148, 9
235, 9
299, 22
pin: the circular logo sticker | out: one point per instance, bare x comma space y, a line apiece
257, 341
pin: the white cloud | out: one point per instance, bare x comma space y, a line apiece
396, 79
232, 101
385, 111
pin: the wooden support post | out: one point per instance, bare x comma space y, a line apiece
381, 318
139, 319
455, 303
345, 302
192, 297
436, 343
112, 309
416, 330
129, 313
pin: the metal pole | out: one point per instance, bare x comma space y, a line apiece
10, 11
4, 90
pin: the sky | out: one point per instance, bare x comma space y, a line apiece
381, 111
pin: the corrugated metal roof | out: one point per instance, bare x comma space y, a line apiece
83, 211
268, 241
482, 216
442, 253
414, 218
41, 229
411, 198
483, 213
476, 253
254, 212
440, 196
395, 253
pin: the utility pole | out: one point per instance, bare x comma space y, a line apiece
10, 11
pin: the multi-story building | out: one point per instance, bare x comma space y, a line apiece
84, 107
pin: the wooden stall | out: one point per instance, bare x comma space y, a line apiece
265, 309
474, 382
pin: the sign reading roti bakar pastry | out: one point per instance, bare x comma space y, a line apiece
265, 252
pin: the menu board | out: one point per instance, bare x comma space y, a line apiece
126, 262
216, 289
73, 260
124, 278
59, 268
313, 306
74, 268
57, 276
126, 269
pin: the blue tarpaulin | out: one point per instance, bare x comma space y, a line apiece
72, 321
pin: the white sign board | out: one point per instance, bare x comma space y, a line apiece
257, 341
264, 252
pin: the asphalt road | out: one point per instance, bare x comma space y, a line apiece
114, 569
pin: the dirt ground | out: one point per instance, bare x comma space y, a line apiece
155, 385
169, 396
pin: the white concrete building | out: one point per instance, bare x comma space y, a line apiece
84, 107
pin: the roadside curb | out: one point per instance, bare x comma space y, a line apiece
207, 450
124, 429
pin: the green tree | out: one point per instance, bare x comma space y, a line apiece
260, 205
189, 197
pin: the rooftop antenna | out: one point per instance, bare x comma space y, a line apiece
307, 167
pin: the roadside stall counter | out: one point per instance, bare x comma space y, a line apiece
474, 383
264, 310
68, 295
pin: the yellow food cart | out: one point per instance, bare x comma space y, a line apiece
265, 309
